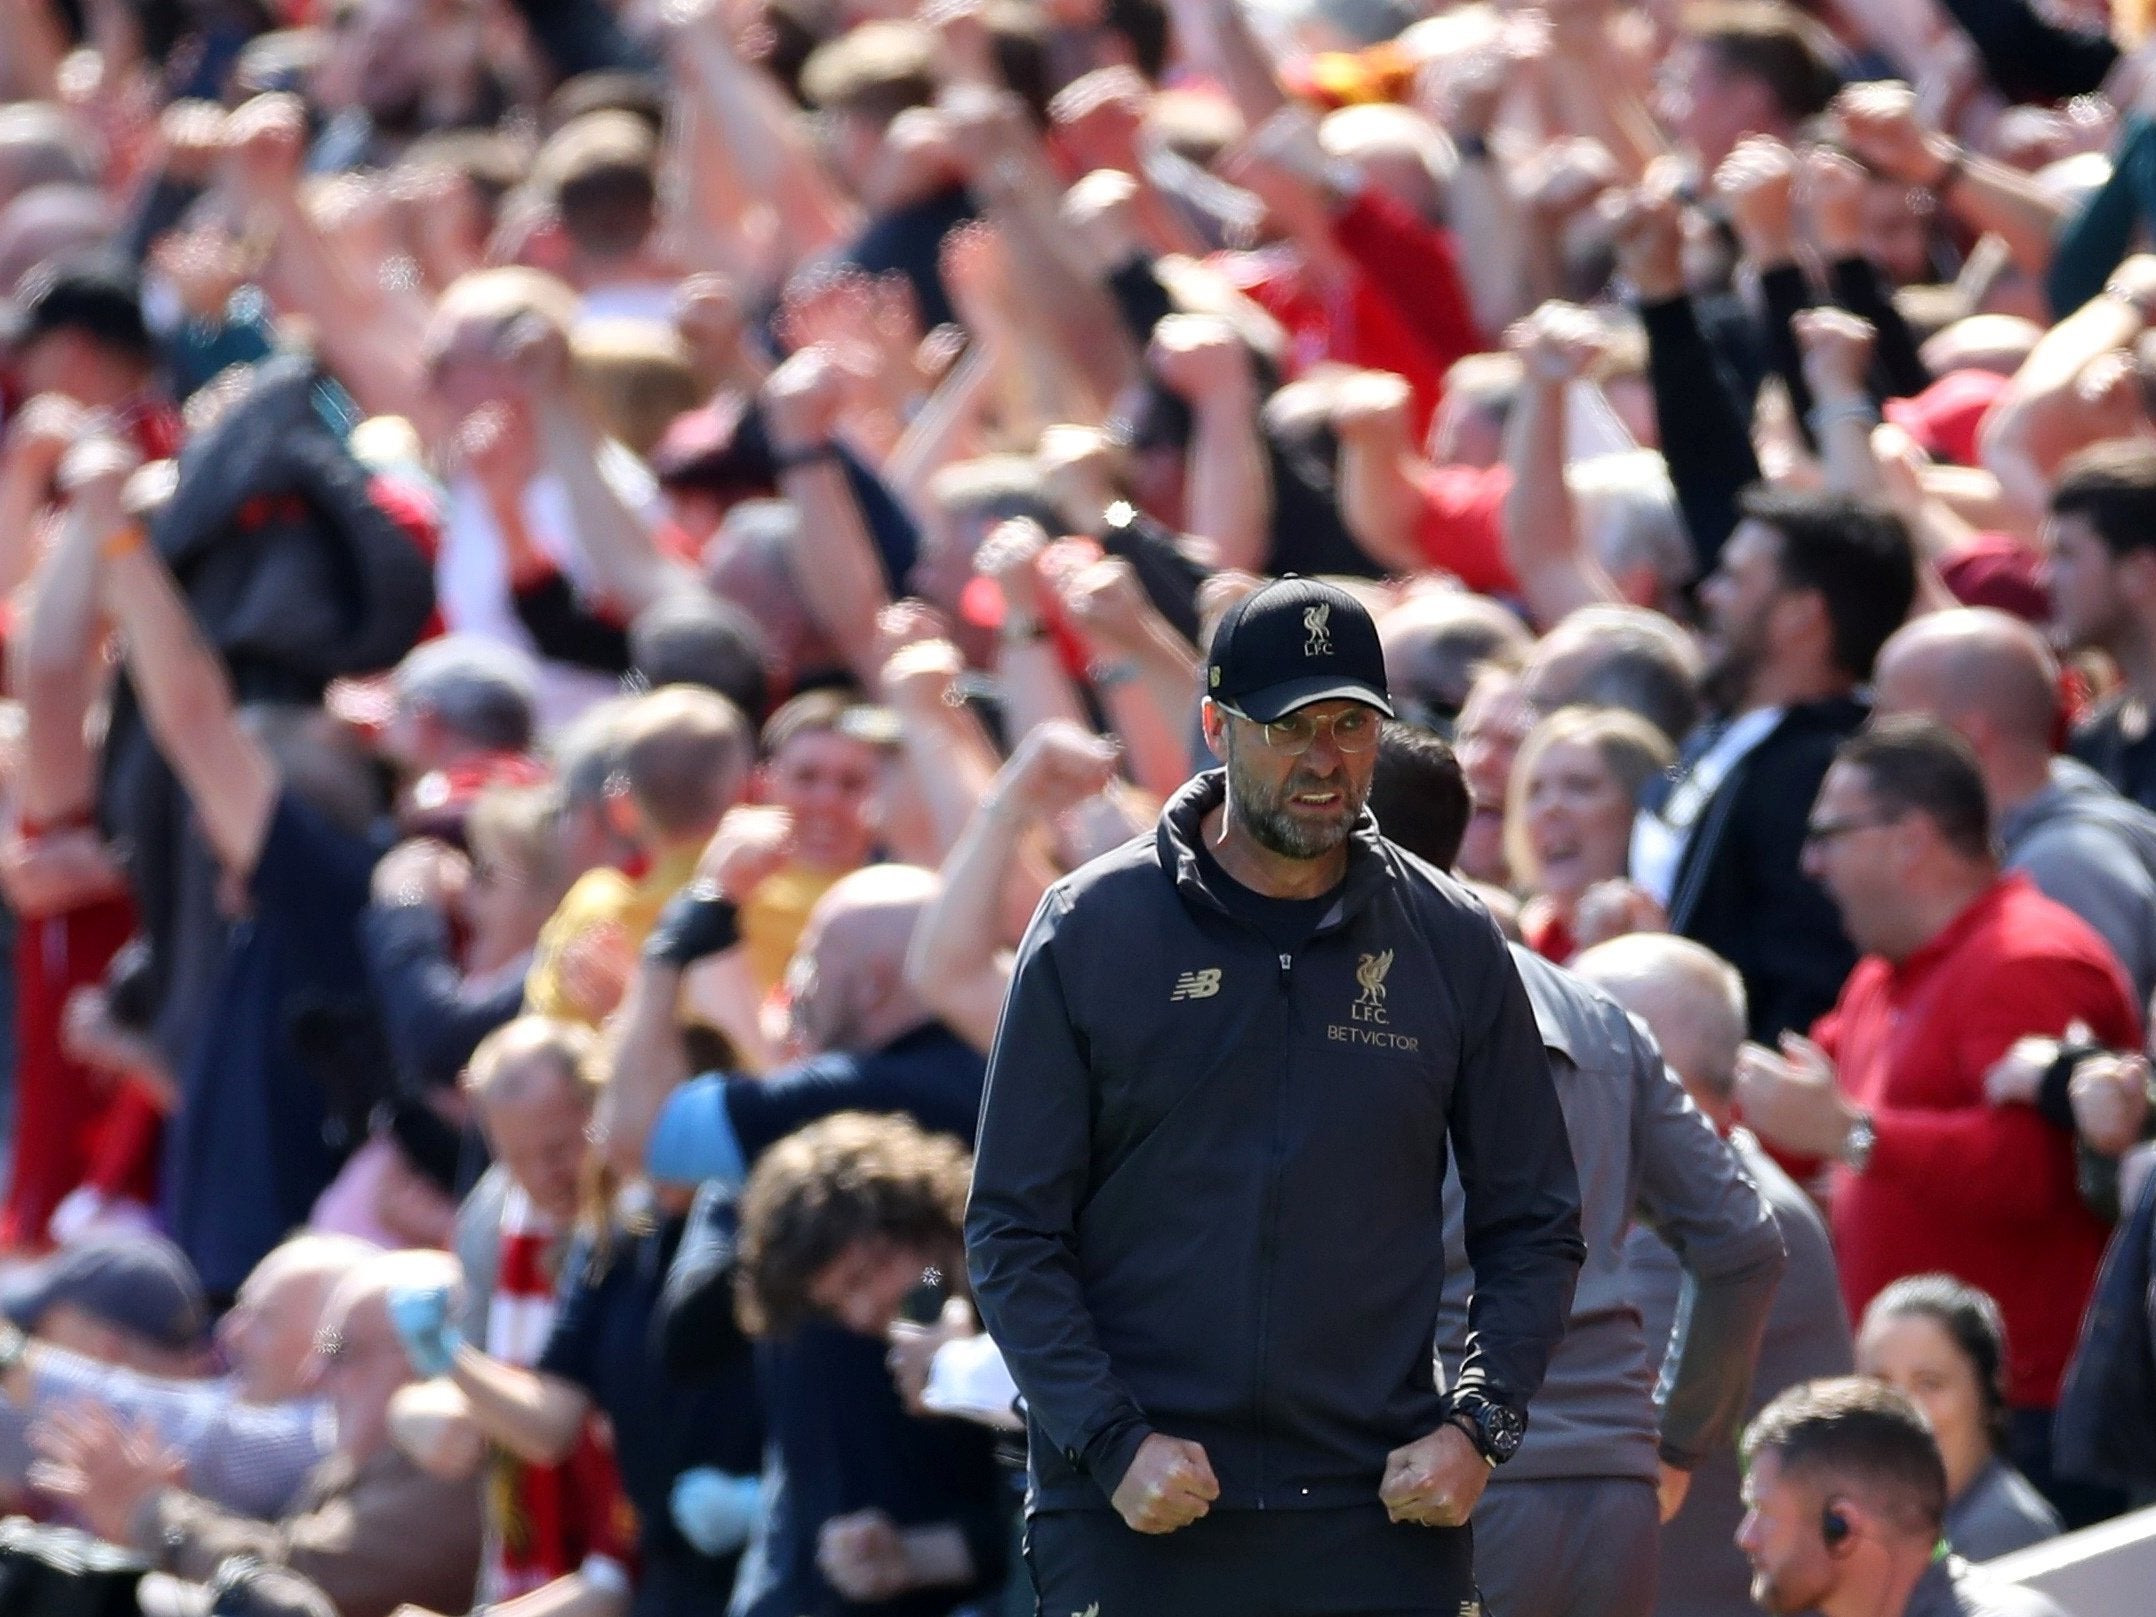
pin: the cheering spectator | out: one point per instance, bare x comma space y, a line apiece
78, 1121
1805, 593
1575, 793
248, 1440
600, 1356
684, 758
437, 1005
288, 820
1495, 722
841, 1441
1960, 960
1992, 680
533, 1085
2100, 518
822, 765
852, 1218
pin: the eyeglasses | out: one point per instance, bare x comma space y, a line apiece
1356, 730
1822, 832
337, 1349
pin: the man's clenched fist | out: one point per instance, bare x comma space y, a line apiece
1170, 1484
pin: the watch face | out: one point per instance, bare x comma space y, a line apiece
1502, 1429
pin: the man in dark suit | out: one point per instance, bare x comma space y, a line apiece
1806, 591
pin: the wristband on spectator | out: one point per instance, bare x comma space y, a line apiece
698, 922
1835, 411
816, 454
2054, 1099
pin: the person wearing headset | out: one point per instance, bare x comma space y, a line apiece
1844, 1500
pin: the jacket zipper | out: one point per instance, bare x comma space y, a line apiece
1268, 1243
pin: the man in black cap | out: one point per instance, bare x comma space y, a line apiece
76, 330
1205, 1224
132, 1300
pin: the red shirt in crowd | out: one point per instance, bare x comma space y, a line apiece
1983, 1192
1461, 529
71, 1125
1403, 308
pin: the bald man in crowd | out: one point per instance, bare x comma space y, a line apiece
1693, 1002
1992, 679
859, 1039
370, 1529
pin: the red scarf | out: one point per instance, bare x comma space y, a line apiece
544, 1521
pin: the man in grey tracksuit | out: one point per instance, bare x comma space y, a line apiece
1206, 1227
1571, 1527
1693, 1003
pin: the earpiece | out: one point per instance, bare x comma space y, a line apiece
1833, 1525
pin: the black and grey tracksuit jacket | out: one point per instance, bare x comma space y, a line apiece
1207, 1195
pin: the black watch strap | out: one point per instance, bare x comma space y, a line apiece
1473, 1428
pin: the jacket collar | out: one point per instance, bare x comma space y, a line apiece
1976, 913
1180, 836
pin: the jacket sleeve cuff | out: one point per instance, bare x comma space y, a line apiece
1669, 317
1477, 1381
1108, 1452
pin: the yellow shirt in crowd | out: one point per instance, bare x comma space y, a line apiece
600, 898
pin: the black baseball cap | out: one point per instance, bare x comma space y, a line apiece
1292, 643
96, 296
139, 1282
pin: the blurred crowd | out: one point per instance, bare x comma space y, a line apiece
475, 471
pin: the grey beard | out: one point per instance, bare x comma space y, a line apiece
1270, 825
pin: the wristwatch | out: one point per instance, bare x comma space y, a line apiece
1495, 1429
1856, 1152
